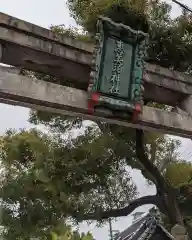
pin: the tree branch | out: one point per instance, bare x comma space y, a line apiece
143, 158
164, 189
154, 199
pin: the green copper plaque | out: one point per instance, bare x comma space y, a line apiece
116, 68
118, 65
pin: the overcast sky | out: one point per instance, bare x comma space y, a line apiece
46, 13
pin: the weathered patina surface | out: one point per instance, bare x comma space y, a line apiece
37, 94
118, 65
38, 49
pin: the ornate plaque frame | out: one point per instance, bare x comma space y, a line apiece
112, 100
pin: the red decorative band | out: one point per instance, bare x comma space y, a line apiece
94, 100
136, 112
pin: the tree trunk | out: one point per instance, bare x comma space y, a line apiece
172, 208
164, 189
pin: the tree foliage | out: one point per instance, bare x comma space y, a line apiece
179, 174
64, 232
170, 42
51, 177
47, 179
170, 46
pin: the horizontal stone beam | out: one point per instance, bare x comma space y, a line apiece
24, 91
38, 49
11, 22
41, 55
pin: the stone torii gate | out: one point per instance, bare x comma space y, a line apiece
24, 45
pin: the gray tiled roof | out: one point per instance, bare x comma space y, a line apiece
147, 227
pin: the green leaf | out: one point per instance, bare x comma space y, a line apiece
54, 236
42, 176
63, 196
